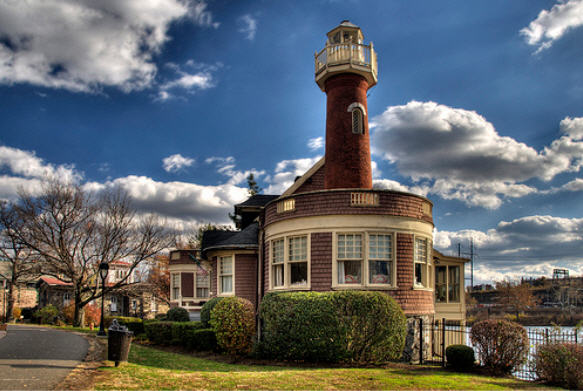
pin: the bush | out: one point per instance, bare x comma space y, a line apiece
374, 323
560, 364
177, 314
93, 314
47, 315
460, 357
502, 345
181, 329
233, 321
354, 326
133, 324
201, 340
205, 311
16, 312
159, 333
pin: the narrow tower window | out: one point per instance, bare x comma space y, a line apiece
357, 124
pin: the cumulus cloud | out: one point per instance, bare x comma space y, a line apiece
226, 166
248, 26
286, 172
529, 242
458, 154
550, 26
188, 202
316, 143
174, 163
83, 45
197, 77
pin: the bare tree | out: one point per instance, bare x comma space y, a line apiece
21, 265
516, 296
72, 231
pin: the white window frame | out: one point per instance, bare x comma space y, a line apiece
220, 260
287, 263
365, 261
196, 287
426, 281
448, 283
175, 286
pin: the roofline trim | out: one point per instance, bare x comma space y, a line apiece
297, 184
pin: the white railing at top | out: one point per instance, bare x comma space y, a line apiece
347, 53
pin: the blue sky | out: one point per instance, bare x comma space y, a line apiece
479, 107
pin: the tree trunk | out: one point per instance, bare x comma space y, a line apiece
10, 303
78, 314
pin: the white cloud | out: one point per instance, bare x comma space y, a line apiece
520, 246
286, 172
27, 164
202, 79
550, 26
316, 143
83, 45
458, 154
187, 203
387, 184
248, 26
226, 166
176, 162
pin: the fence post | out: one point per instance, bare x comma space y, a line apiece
443, 342
420, 341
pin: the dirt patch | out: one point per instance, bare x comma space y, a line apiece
83, 377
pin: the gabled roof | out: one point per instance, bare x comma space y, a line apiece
245, 239
301, 180
52, 281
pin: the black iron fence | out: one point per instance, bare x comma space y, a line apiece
443, 333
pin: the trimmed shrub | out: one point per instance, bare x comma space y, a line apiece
133, 324
205, 311
374, 323
177, 314
201, 340
233, 321
47, 314
181, 329
16, 312
460, 357
502, 345
357, 326
159, 333
301, 326
560, 364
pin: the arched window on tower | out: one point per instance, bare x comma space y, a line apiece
357, 121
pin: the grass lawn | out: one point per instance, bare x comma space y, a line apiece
149, 368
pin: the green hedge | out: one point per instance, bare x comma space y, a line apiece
177, 314
233, 321
181, 329
205, 311
159, 333
201, 340
356, 326
133, 324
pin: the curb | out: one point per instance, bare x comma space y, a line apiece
2, 334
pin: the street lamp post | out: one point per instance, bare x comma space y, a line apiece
103, 270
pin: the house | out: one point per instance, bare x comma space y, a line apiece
24, 293
331, 230
135, 300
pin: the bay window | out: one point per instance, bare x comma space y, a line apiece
202, 284
175, 286
289, 262
365, 259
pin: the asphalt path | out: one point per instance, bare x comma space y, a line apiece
38, 358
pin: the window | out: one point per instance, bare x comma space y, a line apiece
113, 304
278, 263
365, 259
175, 286
447, 284
421, 263
66, 299
286, 205
349, 258
289, 262
202, 283
357, 121
298, 259
226, 275
380, 255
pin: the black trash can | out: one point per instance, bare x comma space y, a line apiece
119, 340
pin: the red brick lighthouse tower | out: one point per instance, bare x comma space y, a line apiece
345, 69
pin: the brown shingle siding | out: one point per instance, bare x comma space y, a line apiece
321, 261
246, 277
